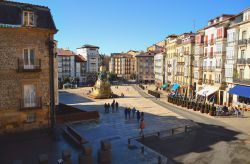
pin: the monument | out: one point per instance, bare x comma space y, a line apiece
102, 88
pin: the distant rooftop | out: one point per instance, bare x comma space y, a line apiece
65, 52
89, 46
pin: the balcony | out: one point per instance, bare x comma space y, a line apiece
243, 61
180, 62
208, 81
180, 74
31, 103
241, 81
208, 68
169, 73
169, 65
34, 66
243, 42
211, 42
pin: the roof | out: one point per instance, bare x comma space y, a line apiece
65, 52
89, 46
226, 19
121, 55
147, 54
80, 58
11, 14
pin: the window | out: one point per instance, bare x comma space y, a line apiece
244, 35
29, 58
241, 74
29, 95
219, 33
28, 18
31, 117
242, 54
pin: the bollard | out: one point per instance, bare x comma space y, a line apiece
186, 128
142, 149
158, 134
172, 131
159, 160
129, 141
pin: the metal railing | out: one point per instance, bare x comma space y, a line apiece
241, 81
31, 103
180, 74
243, 61
208, 81
31, 67
242, 42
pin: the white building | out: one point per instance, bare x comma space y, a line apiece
159, 69
66, 64
91, 54
71, 66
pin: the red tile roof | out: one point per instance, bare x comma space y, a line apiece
65, 52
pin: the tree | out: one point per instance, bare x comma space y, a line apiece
112, 77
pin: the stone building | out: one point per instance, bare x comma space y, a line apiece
238, 60
159, 69
122, 64
27, 56
185, 56
145, 67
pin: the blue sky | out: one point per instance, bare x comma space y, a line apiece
121, 25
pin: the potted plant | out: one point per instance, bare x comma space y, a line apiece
194, 106
202, 108
207, 108
212, 110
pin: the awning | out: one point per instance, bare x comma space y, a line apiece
175, 86
240, 90
165, 85
208, 90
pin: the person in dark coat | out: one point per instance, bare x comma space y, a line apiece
138, 116
113, 106
105, 107
116, 106
133, 112
142, 115
129, 111
108, 106
126, 112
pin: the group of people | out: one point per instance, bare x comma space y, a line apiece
229, 111
114, 105
139, 117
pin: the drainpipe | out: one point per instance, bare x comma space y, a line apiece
52, 83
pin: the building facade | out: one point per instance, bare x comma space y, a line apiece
92, 56
122, 64
145, 67
184, 67
71, 67
28, 58
198, 60
159, 69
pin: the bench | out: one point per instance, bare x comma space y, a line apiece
74, 135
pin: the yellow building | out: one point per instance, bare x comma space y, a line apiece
184, 68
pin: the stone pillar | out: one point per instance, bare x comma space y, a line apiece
66, 156
86, 156
104, 154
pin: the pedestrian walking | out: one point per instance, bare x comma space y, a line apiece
129, 111
138, 116
142, 126
133, 112
108, 106
142, 115
105, 107
113, 106
126, 112
114, 101
116, 106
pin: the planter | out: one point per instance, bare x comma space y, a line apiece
207, 108
211, 113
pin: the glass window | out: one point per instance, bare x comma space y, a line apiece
28, 18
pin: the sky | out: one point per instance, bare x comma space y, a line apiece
122, 25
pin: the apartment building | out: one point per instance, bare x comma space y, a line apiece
71, 66
171, 59
122, 64
28, 70
238, 60
159, 70
145, 67
92, 56
198, 61
184, 67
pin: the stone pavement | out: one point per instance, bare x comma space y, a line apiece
117, 129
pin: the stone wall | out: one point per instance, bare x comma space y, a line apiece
12, 43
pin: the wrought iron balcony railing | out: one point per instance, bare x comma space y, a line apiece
31, 66
31, 103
